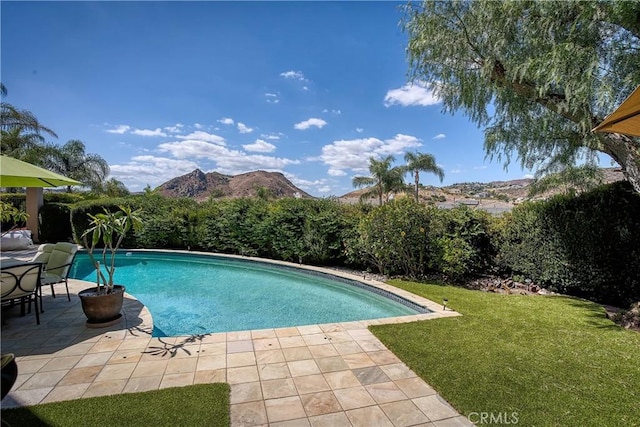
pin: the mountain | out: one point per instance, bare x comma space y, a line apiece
201, 186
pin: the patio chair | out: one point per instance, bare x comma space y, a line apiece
20, 281
58, 263
43, 253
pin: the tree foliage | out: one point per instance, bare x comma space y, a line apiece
572, 180
383, 180
419, 162
22, 137
538, 75
112, 188
72, 161
21, 134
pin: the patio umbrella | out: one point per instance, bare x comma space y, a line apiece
16, 173
625, 119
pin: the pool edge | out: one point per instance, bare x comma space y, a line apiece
436, 310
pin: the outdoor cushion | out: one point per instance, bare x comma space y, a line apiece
61, 255
43, 254
57, 267
16, 240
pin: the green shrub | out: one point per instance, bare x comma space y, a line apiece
68, 198
394, 238
464, 241
53, 216
233, 226
305, 230
80, 214
587, 246
54, 223
17, 200
455, 257
162, 232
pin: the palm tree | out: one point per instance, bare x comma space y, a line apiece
16, 143
21, 134
419, 162
72, 161
113, 188
383, 180
12, 118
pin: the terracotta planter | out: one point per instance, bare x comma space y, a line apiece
102, 310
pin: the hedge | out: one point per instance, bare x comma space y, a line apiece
587, 246
54, 223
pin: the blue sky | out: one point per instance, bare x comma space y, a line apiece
158, 89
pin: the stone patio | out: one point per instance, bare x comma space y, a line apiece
319, 375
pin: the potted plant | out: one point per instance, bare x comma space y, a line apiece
102, 303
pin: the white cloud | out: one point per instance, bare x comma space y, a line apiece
203, 136
455, 171
338, 112
336, 172
419, 93
120, 129
359, 130
479, 167
191, 148
271, 135
227, 161
324, 189
175, 128
260, 146
236, 162
198, 126
354, 154
305, 87
148, 132
319, 123
439, 136
143, 170
529, 176
226, 121
272, 98
298, 75
305, 184
242, 128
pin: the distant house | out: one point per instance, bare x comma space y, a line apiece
469, 202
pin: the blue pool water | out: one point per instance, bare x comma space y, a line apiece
194, 294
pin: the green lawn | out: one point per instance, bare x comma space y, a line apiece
555, 361
197, 405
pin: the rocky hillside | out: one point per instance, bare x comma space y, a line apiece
201, 186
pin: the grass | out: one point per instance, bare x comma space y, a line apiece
555, 361
197, 405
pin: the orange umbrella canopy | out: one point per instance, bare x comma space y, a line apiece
625, 119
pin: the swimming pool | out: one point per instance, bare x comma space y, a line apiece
194, 294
